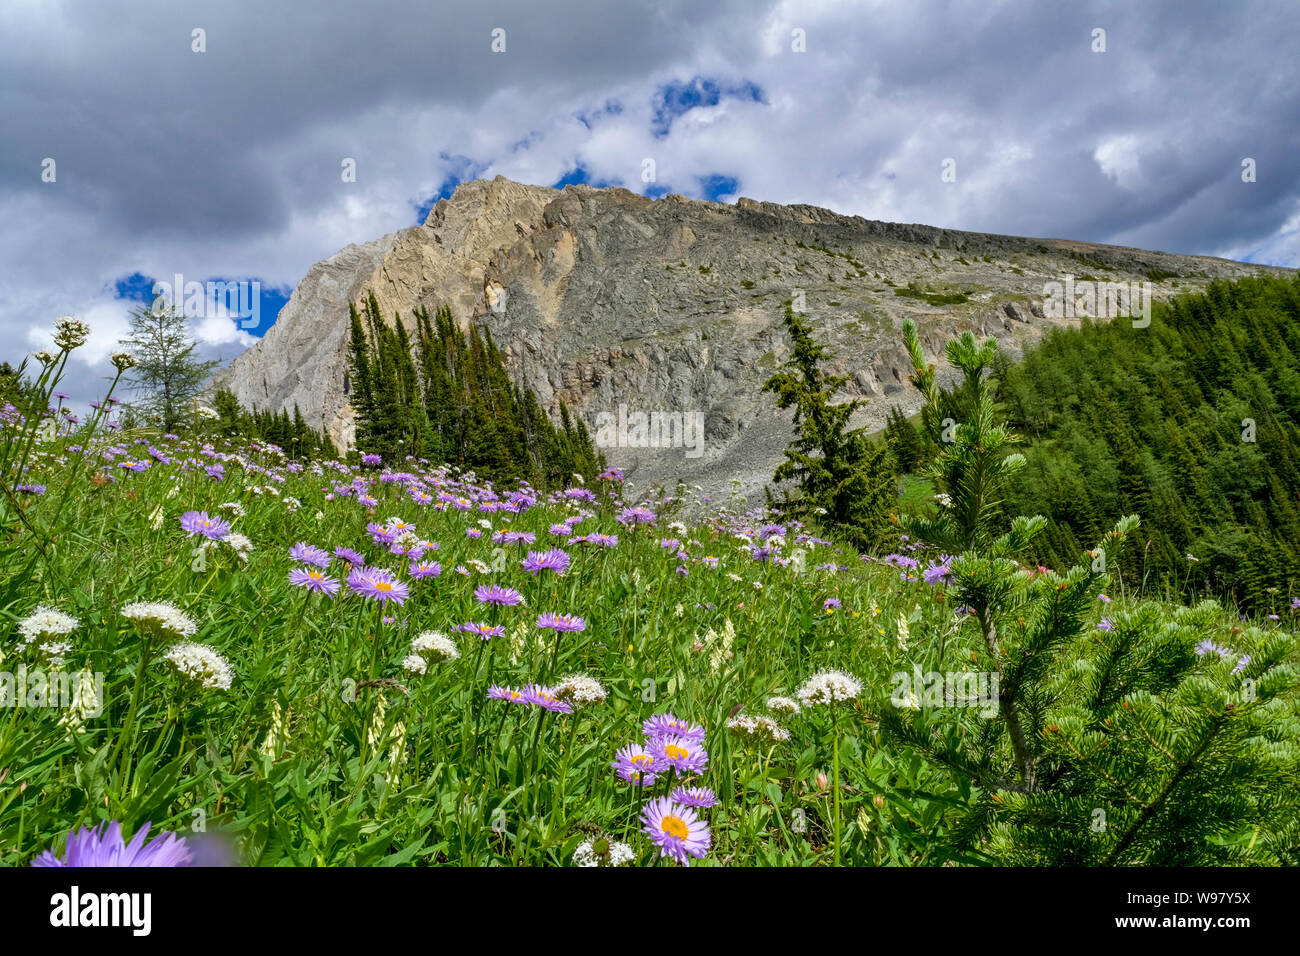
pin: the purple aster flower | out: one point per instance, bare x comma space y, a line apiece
216, 471
666, 725
683, 754
425, 569
496, 594
635, 516
699, 797
553, 559
637, 765
508, 694
544, 697
378, 585
1241, 664
561, 622
198, 522
676, 829
305, 553
938, 572
485, 631
1208, 646
831, 604
104, 846
136, 466
313, 580
373, 461
1106, 624
353, 558
1103, 599
473, 532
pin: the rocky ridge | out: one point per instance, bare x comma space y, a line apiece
606, 298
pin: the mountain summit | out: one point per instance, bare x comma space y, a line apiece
623, 306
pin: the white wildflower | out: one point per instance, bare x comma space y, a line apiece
783, 705
70, 333
760, 730
828, 687
580, 690
45, 627
201, 664
602, 851
160, 617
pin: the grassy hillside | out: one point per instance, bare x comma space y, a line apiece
394, 664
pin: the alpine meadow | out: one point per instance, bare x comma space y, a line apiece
598, 515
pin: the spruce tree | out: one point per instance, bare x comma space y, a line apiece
840, 475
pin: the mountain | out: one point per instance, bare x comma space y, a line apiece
605, 298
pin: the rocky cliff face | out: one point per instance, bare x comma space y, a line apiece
605, 298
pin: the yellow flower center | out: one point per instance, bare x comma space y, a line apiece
675, 826
642, 759
675, 752
315, 575
383, 586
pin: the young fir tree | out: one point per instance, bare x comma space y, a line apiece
1157, 736
446, 395
167, 375
841, 475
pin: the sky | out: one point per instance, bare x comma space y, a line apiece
137, 149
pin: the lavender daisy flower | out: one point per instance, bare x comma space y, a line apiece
831, 604
544, 697
198, 522
313, 580
635, 516
561, 622
508, 694
553, 559
683, 755
699, 797
104, 846
636, 765
938, 572
666, 725
485, 631
497, 595
1241, 664
676, 829
305, 553
1208, 646
353, 558
1106, 624
425, 569
378, 585
372, 460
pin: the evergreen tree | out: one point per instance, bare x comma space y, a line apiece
168, 375
840, 475
1140, 741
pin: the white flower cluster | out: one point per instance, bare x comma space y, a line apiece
760, 730
602, 851
829, 687
429, 647
201, 664
240, 544
580, 690
160, 617
45, 629
783, 705
70, 333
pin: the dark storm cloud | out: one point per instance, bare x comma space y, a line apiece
227, 162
